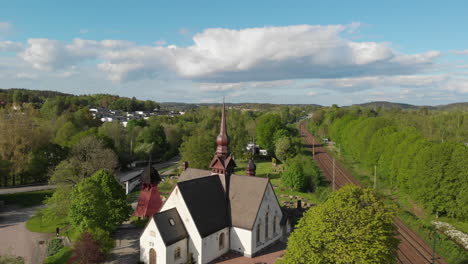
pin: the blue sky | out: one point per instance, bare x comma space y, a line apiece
321, 52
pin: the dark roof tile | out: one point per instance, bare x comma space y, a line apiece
171, 230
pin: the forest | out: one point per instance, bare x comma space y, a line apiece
45, 136
421, 152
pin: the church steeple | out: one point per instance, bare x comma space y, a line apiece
223, 139
223, 162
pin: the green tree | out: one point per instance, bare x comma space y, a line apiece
267, 125
294, 175
86, 157
98, 202
284, 148
352, 226
65, 133
198, 149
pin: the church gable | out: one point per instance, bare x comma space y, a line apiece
246, 194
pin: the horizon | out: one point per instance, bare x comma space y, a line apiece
280, 53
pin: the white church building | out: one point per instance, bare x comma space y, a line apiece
209, 213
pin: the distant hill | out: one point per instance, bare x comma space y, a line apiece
389, 105
454, 107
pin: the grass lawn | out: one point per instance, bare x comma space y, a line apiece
61, 257
38, 224
284, 194
26, 199
165, 187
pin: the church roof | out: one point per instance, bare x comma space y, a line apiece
206, 202
150, 175
192, 173
246, 194
170, 226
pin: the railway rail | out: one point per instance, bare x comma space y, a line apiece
412, 249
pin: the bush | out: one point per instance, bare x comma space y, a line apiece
61, 257
87, 250
103, 238
10, 259
55, 245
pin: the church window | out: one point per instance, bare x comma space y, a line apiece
266, 226
171, 222
177, 253
259, 227
274, 225
221, 241
152, 233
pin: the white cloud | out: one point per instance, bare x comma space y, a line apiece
45, 54
459, 85
243, 85
464, 52
231, 56
10, 46
374, 82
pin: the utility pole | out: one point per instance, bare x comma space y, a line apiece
313, 147
435, 239
375, 177
333, 174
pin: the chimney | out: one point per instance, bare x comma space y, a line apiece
250, 169
299, 204
185, 165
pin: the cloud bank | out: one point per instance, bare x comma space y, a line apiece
229, 56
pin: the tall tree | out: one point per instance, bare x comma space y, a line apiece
86, 157
98, 202
352, 226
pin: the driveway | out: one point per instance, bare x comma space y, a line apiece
31, 188
16, 239
127, 245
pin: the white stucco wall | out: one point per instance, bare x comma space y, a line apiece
241, 241
182, 244
195, 241
211, 245
152, 239
270, 204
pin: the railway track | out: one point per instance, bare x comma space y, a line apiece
412, 249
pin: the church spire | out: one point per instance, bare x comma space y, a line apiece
223, 139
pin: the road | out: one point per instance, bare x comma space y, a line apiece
16, 239
26, 189
412, 249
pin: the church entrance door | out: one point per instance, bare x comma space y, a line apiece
152, 254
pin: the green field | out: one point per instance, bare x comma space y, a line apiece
265, 169
26, 199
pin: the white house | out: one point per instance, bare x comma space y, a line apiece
209, 213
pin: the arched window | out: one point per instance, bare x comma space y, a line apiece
177, 253
259, 226
266, 226
221, 241
274, 225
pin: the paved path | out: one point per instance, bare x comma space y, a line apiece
16, 239
26, 189
267, 256
127, 248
